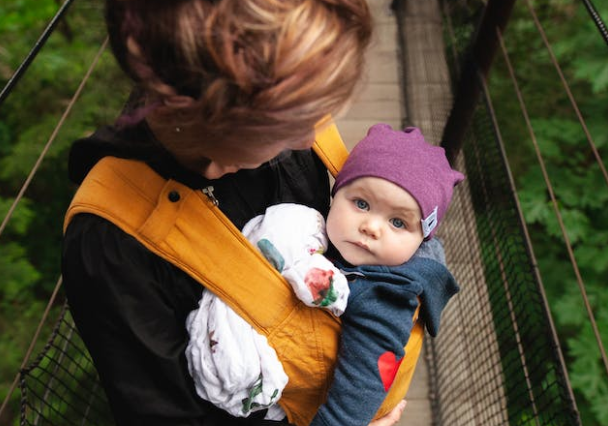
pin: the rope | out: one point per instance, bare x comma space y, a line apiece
52, 137
32, 344
541, 162
558, 68
34, 52
597, 19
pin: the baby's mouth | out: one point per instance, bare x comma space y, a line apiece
362, 245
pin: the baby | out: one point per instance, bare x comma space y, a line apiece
388, 199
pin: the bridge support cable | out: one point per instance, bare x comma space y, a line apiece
12, 82
597, 19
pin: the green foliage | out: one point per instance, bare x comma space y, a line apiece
30, 246
580, 189
18, 274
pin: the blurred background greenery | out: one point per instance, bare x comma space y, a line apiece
30, 246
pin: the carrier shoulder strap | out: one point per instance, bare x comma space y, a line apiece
330, 148
182, 226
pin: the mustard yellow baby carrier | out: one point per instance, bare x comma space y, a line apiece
166, 217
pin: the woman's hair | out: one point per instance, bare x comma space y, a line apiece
259, 70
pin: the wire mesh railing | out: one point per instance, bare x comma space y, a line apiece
496, 361
526, 367
61, 386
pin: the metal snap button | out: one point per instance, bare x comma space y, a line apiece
174, 196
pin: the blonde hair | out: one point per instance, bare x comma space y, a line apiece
259, 70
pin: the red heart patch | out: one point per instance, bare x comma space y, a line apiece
388, 367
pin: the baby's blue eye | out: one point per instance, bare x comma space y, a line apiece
398, 223
362, 204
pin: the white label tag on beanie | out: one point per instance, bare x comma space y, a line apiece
429, 223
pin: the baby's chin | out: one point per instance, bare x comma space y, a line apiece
358, 260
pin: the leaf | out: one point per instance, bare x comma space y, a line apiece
570, 308
594, 70
20, 219
593, 254
587, 374
575, 222
16, 272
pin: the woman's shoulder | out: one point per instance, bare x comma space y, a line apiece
99, 254
91, 237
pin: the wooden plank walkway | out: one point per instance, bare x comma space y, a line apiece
379, 98
396, 91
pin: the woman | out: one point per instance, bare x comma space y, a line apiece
230, 93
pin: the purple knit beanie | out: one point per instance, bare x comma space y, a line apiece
407, 160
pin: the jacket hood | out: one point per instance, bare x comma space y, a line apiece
134, 142
107, 141
427, 276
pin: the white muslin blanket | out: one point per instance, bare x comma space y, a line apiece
233, 366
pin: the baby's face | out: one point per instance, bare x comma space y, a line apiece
374, 222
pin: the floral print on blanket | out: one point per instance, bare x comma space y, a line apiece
320, 282
249, 403
292, 239
271, 254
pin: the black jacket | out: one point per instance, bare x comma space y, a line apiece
130, 306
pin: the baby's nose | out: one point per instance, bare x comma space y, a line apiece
370, 227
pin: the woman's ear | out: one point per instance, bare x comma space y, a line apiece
166, 107
178, 101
